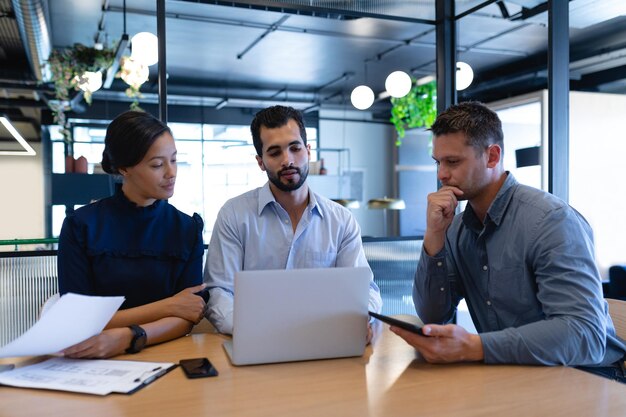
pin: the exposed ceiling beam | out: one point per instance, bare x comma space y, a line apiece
534, 66
596, 79
318, 11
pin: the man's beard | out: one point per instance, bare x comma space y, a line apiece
290, 185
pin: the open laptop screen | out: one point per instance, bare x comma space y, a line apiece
299, 314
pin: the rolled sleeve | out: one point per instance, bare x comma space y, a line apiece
224, 258
220, 311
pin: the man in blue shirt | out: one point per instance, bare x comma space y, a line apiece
522, 259
281, 225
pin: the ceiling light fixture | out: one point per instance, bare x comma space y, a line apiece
398, 84
90, 81
144, 48
119, 53
464, 75
221, 104
28, 150
362, 97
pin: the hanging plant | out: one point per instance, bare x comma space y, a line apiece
134, 74
68, 68
416, 109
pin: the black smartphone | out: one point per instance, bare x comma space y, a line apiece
198, 368
398, 323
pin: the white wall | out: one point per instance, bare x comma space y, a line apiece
371, 146
597, 172
597, 145
22, 208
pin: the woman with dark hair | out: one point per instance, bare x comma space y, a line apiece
135, 244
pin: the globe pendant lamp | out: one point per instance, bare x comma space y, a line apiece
145, 48
398, 84
90, 81
464, 75
362, 97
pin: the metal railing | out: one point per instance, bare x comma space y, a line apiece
18, 242
394, 261
27, 280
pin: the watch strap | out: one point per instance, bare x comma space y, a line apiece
139, 339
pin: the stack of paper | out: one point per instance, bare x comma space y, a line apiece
87, 376
72, 319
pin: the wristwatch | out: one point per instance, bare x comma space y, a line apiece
139, 339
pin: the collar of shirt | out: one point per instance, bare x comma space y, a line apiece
122, 201
496, 210
266, 198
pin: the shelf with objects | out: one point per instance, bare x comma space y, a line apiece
331, 176
72, 177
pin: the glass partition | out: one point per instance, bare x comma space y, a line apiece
215, 163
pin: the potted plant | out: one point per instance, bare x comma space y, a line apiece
134, 74
417, 109
68, 68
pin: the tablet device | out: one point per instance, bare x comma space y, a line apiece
414, 328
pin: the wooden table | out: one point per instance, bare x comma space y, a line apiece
389, 380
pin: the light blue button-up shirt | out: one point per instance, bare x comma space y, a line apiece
254, 232
529, 278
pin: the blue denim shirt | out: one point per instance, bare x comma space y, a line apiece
529, 278
254, 232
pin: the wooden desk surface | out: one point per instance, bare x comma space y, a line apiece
389, 380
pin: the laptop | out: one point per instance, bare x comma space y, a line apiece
299, 314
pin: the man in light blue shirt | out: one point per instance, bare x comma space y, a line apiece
522, 259
281, 225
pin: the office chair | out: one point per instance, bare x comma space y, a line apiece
617, 311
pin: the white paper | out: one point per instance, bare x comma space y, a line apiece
72, 319
89, 376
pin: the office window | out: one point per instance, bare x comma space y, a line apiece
595, 166
521, 125
215, 163
596, 172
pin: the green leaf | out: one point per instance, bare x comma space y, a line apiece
416, 109
64, 65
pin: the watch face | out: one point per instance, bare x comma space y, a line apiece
140, 342
139, 339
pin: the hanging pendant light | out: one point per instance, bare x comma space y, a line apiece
464, 75
89, 82
398, 84
362, 97
145, 48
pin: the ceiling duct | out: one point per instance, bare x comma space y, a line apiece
33, 27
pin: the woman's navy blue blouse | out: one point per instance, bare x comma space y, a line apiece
113, 247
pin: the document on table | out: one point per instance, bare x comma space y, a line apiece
72, 319
87, 376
